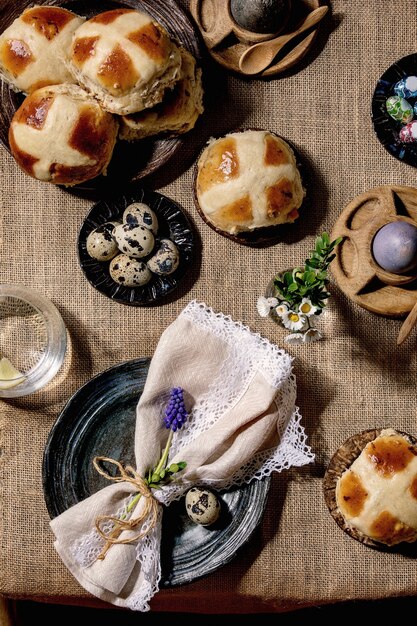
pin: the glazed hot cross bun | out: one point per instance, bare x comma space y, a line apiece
125, 59
61, 135
34, 49
248, 180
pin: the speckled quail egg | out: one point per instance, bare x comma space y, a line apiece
128, 271
100, 243
202, 506
135, 241
166, 259
140, 214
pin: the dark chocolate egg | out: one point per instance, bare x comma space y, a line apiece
394, 247
260, 16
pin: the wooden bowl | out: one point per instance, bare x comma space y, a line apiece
227, 50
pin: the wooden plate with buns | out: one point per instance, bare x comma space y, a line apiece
131, 161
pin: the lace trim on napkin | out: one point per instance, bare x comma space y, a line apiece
86, 550
249, 353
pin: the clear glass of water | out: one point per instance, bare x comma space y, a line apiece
33, 341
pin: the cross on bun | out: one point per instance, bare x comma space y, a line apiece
125, 59
178, 111
61, 135
370, 487
34, 48
248, 180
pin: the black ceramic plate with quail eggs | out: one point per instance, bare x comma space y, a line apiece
135, 249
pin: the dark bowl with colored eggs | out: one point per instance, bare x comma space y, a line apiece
386, 128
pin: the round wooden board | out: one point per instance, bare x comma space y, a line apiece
354, 268
131, 161
341, 461
228, 52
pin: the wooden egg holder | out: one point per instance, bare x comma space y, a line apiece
226, 40
354, 268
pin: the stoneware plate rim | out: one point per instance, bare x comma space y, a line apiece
68, 476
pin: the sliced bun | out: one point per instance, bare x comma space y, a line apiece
176, 114
61, 135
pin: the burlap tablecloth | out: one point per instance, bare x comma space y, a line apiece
353, 380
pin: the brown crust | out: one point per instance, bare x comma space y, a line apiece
107, 17
341, 461
117, 72
152, 40
16, 56
94, 135
48, 21
259, 237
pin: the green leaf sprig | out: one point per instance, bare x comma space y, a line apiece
311, 280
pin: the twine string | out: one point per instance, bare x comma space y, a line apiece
150, 509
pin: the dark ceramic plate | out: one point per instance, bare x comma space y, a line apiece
99, 419
131, 161
386, 128
173, 224
260, 237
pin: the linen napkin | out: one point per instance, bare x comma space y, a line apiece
243, 424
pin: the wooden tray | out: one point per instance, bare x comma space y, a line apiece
228, 52
354, 268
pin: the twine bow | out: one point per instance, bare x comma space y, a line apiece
150, 509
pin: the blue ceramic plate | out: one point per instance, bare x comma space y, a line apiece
386, 128
173, 224
99, 420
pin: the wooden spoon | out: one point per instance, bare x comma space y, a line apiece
259, 56
214, 19
408, 325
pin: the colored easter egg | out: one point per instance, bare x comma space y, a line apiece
394, 247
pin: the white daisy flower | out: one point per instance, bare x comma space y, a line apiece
281, 309
293, 320
307, 308
312, 335
264, 305
295, 338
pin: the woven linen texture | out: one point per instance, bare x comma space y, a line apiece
353, 380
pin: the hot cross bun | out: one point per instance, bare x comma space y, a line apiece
248, 180
371, 487
34, 49
61, 135
125, 59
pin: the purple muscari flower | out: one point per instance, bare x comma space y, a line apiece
175, 413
